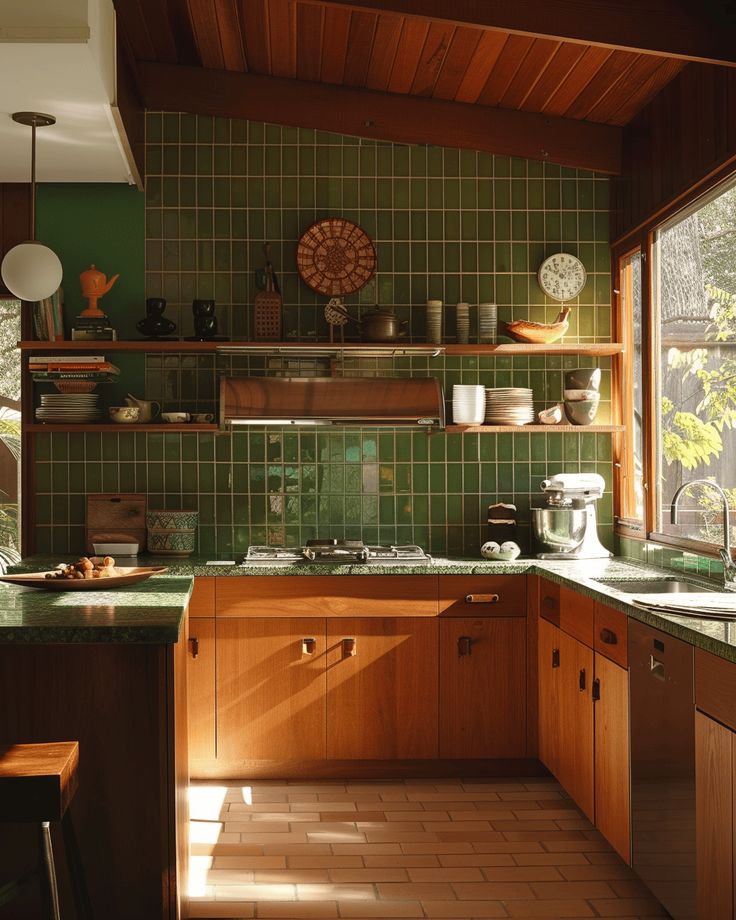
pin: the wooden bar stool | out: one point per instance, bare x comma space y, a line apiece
37, 784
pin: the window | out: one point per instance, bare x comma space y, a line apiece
677, 320
9, 424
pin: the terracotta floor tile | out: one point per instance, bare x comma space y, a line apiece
492, 891
550, 910
447, 874
605, 872
293, 910
622, 907
249, 862
385, 910
369, 875
324, 862
464, 910
522, 874
477, 859
415, 891
211, 911
255, 892
552, 859
287, 848
403, 861
355, 892
365, 849
437, 846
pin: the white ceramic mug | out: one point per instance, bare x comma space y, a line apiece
124, 414
175, 417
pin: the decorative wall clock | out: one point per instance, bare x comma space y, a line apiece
562, 276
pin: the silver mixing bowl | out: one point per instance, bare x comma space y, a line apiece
559, 530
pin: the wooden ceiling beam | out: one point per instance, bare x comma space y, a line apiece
383, 116
660, 27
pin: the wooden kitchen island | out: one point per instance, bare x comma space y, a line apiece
107, 669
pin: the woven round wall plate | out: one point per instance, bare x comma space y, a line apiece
335, 256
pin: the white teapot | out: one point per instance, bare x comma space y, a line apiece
146, 410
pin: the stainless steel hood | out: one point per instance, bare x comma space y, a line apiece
385, 401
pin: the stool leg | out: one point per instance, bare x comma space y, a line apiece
76, 870
48, 858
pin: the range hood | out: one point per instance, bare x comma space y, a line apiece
385, 401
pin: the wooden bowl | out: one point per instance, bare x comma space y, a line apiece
539, 333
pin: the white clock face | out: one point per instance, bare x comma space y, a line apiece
562, 276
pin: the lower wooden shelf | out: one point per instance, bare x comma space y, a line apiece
154, 426
520, 429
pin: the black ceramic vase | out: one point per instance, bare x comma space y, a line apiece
155, 325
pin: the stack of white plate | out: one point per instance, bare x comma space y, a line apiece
468, 404
69, 408
509, 406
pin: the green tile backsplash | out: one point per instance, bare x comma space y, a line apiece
448, 224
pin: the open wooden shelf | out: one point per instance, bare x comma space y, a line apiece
597, 350
520, 429
110, 426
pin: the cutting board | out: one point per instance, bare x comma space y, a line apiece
113, 518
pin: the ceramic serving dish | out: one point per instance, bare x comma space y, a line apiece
123, 576
539, 333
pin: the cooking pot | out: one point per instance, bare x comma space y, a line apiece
381, 326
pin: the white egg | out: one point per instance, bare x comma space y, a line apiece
489, 549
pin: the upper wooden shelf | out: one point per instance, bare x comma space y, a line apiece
111, 426
519, 429
597, 349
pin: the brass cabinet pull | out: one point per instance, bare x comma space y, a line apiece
555, 658
194, 645
349, 648
581, 680
309, 646
465, 645
482, 598
596, 690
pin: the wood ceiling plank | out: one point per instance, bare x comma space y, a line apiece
254, 16
231, 35
413, 35
508, 63
335, 32
457, 60
598, 86
436, 44
132, 26
480, 66
360, 47
562, 62
385, 116
309, 48
383, 55
577, 79
530, 72
281, 37
178, 20
206, 33
667, 28
634, 101
640, 68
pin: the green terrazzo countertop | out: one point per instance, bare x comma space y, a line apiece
716, 636
151, 611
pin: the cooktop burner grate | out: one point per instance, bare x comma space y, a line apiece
344, 552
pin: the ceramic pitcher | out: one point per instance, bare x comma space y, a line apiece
145, 406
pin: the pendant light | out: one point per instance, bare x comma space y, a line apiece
30, 270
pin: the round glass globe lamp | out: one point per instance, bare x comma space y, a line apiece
31, 271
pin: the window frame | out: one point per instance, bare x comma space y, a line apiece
643, 239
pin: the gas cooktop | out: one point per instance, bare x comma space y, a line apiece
346, 552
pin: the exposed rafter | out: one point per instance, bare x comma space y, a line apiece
662, 27
384, 116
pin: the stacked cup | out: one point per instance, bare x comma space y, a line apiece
434, 321
468, 404
487, 323
582, 394
462, 321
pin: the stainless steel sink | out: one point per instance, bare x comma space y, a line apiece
661, 586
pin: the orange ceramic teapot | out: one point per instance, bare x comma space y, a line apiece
94, 285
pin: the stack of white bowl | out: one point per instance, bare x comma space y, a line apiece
462, 321
487, 323
434, 321
509, 406
468, 404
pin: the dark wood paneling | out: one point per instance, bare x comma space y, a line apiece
715, 687
674, 149
15, 218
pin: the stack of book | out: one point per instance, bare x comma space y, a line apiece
93, 329
50, 368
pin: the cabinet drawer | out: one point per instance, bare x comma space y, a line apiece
202, 601
611, 634
715, 687
482, 595
549, 601
577, 615
327, 596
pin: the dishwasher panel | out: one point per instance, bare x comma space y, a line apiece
663, 767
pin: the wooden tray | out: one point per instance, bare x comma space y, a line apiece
124, 576
335, 257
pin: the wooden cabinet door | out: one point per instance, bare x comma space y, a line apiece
714, 818
612, 769
201, 689
270, 689
483, 687
548, 658
575, 761
381, 688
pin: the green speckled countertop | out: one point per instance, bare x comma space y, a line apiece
716, 636
151, 611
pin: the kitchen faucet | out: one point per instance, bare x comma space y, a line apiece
729, 569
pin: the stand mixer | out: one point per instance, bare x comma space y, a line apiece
567, 527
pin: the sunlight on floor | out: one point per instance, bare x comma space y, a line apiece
205, 802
